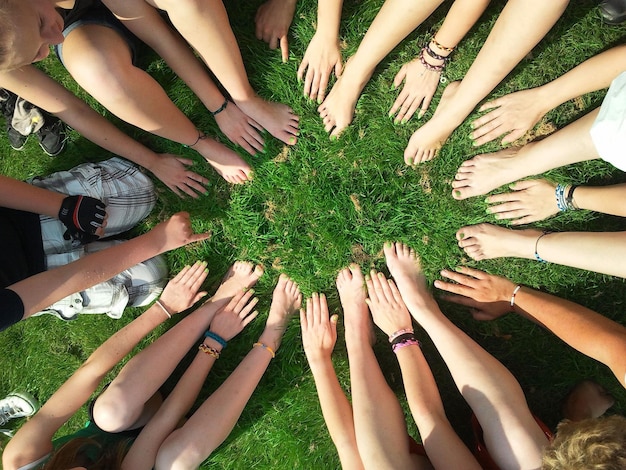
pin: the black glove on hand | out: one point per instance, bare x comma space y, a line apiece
82, 215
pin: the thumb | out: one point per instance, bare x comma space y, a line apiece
284, 47
333, 323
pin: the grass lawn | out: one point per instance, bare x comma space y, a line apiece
315, 208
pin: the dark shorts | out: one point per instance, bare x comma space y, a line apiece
87, 12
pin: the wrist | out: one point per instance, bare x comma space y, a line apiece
548, 97
318, 360
212, 343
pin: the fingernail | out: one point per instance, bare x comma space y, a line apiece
404, 121
393, 86
381, 275
367, 277
421, 114
319, 101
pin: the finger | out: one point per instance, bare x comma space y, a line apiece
425, 105
185, 161
490, 136
338, 68
396, 105
308, 81
315, 85
273, 41
414, 106
453, 288
400, 76
323, 306
333, 324
459, 278
198, 237
302, 68
182, 274
303, 320
248, 308
475, 273
234, 301
243, 301
196, 182
315, 308
491, 104
176, 191
188, 191
246, 321
321, 86
385, 288
395, 292
514, 135
284, 48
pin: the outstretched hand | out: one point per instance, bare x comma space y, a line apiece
173, 172
240, 128
183, 290
513, 114
322, 56
488, 296
530, 201
385, 302
233, 318
273, 19
319, 331
419, 87
175, 232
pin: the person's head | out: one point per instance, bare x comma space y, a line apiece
84, 452
590, 444
27, 29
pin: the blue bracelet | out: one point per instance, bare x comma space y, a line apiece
216, 337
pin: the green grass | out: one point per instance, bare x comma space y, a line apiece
314, 208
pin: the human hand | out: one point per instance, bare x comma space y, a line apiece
322, 56
240, 128
273, 19
319, 332
175, 232
488, 296
385, 302
513, 114
530, 201
233, 318
182, 291
419, 87
172, 171
84, 217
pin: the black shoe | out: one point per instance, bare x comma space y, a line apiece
613, 11
52, 135
7, 107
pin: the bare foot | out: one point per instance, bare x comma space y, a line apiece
337, 110
405, 267
587, 399
241, 275
428, 139
276, 118
227, 163
358, 323
285, 301
486, 241
486, 172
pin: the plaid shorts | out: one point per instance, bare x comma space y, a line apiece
129, 196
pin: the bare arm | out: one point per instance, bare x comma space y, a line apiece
319, 335
34, 439
443, 446
606, 199
43, 289
16, 194
585, 330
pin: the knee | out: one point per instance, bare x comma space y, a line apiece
147, 281
111, 414
176, 454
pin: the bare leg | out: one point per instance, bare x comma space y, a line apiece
100, 61
488, 171
122, 405
204, 24
521, 25
512, 436
378, 419
211, 424
396, 19
594, 251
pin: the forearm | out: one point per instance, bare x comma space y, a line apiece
337, 413
442, 444
329, 18
606, 199
462, 15
42, 290
18, 195
585, 330
594, 74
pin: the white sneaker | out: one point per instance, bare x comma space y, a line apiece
17, 405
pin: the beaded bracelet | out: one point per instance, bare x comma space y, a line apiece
439, 46
515, 291
401, 338
266, 347
434, 55
537, 257
221, 108
217, 338
559, 193
400, 332
411, 342
209, 350
428, 66
569, 199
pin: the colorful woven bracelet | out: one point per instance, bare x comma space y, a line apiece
411, 342
214, 336
266, 347
400, 332
209, 350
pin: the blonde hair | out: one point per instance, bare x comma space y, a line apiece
590, 444
7, 32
